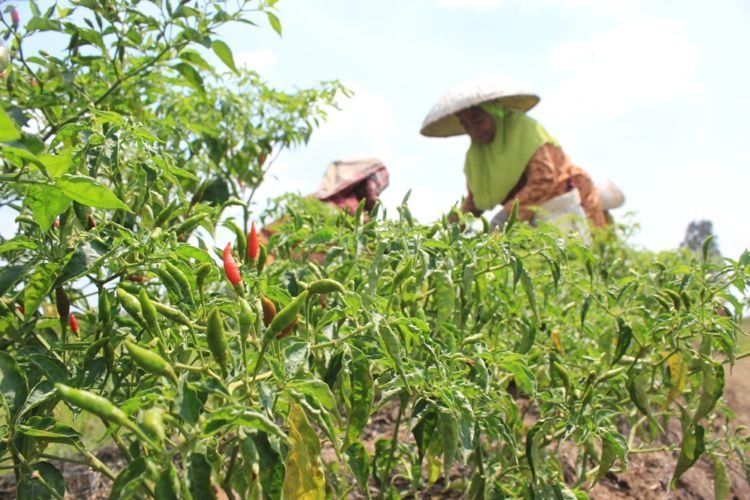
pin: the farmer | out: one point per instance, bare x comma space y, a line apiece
511, 156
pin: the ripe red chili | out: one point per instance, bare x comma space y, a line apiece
15, 17
253, 247
73, 323
230, 266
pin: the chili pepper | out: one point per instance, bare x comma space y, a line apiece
56, 224
676, 299
95, 404
637, 389
289, 313
182, 281
393, 347
512, 217
288, 329
201, 274
609, 453
150, 361
561, 372
94, 348
269, 310
105, 311
73, 323
63, 303
246, 320
135, 278
21, 309
153, 423
169, 281
149, 312
326, 286
189, 224
147, 216
172, 313
217, 342
166, 214
404, 271
91, 222
252, 243
130, 304
230, 266
109, 357
262, 256
15, 17
685, 299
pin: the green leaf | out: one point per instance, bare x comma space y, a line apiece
46, 203
89, 192
48, 430
38, 286
272, 470
199, 476
9, 276
12, 382
304, 471
57, 165
130, 482
18, 243
445, 299
168, 484
722, 484
222, 50
359, 463
191, 75
692, 447
316, 389
711, 389
31, 488
447, 428
275, 23
8, 129
190, 252
361, 393
80, 262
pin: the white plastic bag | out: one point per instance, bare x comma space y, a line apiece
565, 212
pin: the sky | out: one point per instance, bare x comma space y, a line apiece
650, 94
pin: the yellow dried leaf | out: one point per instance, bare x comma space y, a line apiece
304, 479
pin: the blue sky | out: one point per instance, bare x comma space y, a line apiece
651, 94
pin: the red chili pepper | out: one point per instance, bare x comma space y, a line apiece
230, 266
57, 223
253, 247
73, 323
15, 17
21, 309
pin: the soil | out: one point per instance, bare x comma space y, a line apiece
646, 478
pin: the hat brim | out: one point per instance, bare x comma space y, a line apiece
443, 122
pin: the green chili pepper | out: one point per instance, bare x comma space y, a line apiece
153, 423
149, 312
558, 370
173, 314
676, 299
164, 215
512, 217
288, 314
150, 361
609, 453
169, 281
189, 224
402, 273
217, 342
637, 389
131, 304
685, 299
247, 319
105, 310
95, 404
201, 274
262, 256
182, 281
326, 286
393, 346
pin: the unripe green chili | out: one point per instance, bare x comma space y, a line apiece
169, 281
403, 272
153, 424
262, 256
105, 310
561, 372
326, 286
247, 319
609, 453
201, 274
109, 357
95, 404
182, 281
130, 304
189, 224
150, 361
685, 299
676, 299
149, 312
217, 342
173, 314
393, 346
166, 214
94, 348
288, 314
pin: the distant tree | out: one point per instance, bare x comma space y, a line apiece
696, 233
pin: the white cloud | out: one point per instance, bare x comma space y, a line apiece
262, 60
649, 60
364, 120
470, 4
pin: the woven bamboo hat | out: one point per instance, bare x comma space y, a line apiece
442, 121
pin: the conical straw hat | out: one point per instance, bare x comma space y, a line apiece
442, 120
610, 196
